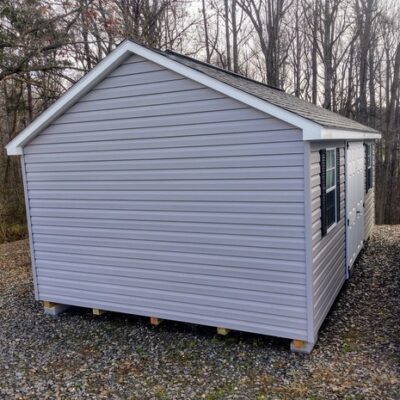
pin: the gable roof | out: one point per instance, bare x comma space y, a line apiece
316, 123
274, 96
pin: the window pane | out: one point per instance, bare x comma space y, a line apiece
369, 178
330, 178
369, 158
330, 208
330, 159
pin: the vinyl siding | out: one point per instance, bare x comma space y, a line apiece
154, 195
328, 252
369, 201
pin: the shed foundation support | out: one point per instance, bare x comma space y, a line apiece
222, 331
301, 346
155, 321
54, 308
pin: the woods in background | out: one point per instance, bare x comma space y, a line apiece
341, 54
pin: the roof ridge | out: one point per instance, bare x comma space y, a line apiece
168, 51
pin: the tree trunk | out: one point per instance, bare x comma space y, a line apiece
365, 20
235, 50
227, 36
314, 53
206, 38
327, 49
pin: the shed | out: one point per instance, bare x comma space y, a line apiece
162, 186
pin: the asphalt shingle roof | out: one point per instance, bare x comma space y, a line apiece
272, 95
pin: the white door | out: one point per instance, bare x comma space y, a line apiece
355, 175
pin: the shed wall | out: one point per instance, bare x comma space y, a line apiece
328, 252
154, 195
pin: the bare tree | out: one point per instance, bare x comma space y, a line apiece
266, 17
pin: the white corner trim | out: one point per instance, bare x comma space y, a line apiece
311, 130
308, 244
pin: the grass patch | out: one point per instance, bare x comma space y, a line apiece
12, 215
160, 393
351, 341
9, 232
221, 392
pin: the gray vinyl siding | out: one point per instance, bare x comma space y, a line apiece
328, 252
154, 195
369, 202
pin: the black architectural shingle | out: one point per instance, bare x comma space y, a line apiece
272, 95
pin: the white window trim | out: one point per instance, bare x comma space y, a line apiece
331, 227
333, 187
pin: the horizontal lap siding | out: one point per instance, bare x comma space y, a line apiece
369, 204
154, 195
328, 252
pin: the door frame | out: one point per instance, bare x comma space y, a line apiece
349, 268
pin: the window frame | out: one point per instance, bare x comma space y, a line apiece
333, 187
369, 184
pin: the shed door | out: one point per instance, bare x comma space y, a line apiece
355, 176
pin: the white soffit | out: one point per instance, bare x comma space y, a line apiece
337, 134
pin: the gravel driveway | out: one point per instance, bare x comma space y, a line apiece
115, 356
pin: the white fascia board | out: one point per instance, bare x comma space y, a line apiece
342, 134
127, 48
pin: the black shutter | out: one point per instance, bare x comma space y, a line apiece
371, 174
338, 184
366, 183
322, 154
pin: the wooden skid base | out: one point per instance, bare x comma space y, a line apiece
54, 308
155, 321
301, 346
223, 331
296, 345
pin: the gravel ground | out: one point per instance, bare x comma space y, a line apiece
115, 356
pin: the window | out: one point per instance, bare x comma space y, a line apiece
368, 167
330, 188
